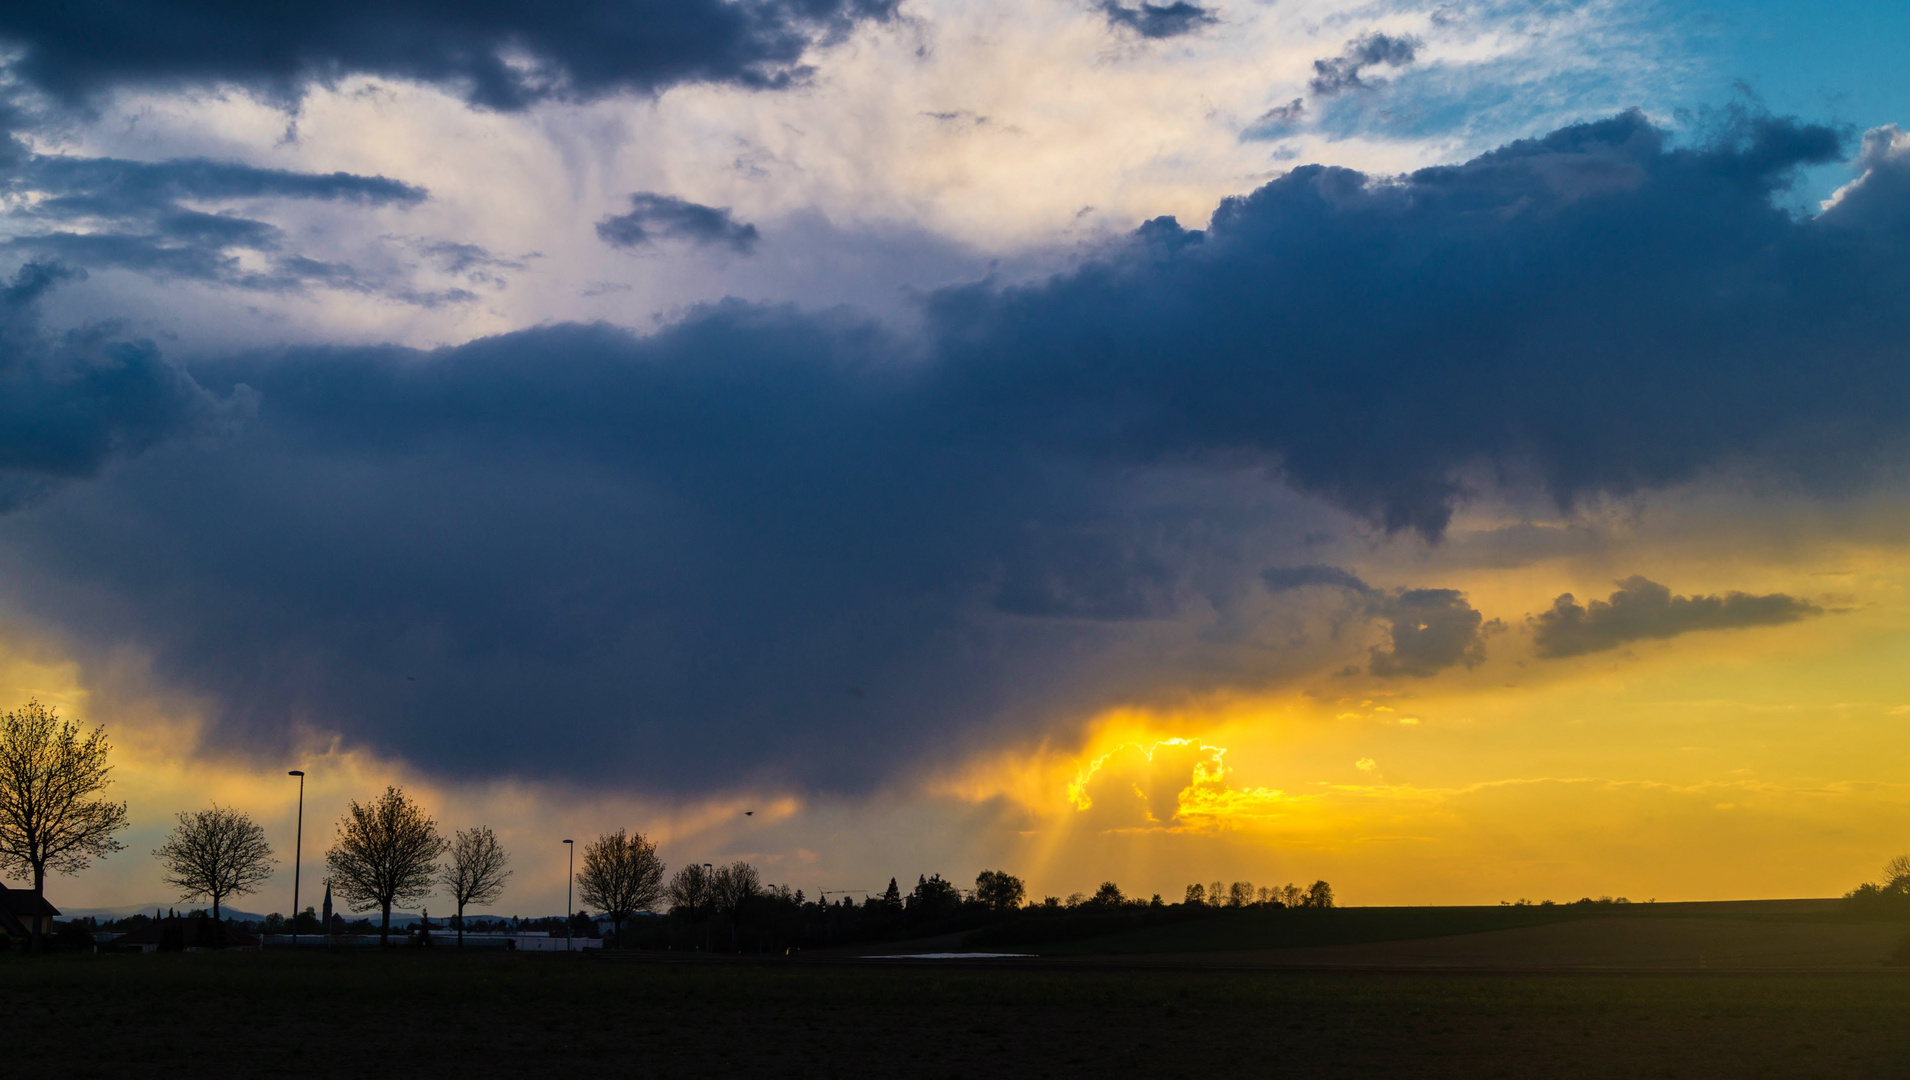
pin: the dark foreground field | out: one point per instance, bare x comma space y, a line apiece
430, 1014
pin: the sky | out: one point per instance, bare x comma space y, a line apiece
1454, 450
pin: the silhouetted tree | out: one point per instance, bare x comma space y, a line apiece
49, 817
934, 897
1319, 895
892, 898
1240, 894
689, 891
999, 890
733, 884
1196, 895
386, 852
215, 853
1890, 896
731, 887
621, 875
1108, 896
476, 870
1217, 894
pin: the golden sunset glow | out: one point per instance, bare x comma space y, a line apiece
1760, 761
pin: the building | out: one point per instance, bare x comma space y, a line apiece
22, 911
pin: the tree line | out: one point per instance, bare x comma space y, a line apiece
390, 851
1888, 897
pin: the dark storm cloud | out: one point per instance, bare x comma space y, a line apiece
1284, 578
1158, 20
71, 402
1604, 309
572, 551
1430, 630
112, 187
651, 559
149, 217
1338, 74
653, 217
1643, 610
505, 54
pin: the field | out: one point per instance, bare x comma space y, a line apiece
1771, 935
1193, 1013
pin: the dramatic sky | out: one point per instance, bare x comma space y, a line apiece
1460, 450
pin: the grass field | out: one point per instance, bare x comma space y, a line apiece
1254, 929
437, 1014
1789, 934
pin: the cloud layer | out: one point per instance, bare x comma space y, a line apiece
151, 218
807, 549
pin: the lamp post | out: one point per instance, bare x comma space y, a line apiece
298, 852
570, 880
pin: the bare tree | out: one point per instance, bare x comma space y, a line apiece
1896, 874
49, 816
622, 875
386, 852
689, 889
731, 887
476, 872
1240, 894
215, 853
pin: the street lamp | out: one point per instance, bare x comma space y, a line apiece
298, 851
569, 881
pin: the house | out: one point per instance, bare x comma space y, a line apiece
183, 933
22, 910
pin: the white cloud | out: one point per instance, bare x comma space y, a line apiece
971, 131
